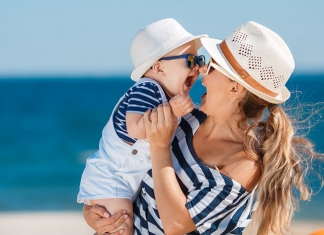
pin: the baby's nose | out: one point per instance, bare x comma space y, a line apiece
196, 67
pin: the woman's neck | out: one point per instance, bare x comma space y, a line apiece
230, 129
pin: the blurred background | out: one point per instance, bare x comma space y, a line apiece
64, 65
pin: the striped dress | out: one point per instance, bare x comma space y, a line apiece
216, 203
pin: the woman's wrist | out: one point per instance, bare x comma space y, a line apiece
163, 148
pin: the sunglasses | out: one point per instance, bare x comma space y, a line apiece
211, 66
191, 60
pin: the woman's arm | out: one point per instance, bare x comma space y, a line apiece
160, 126
99, 219
171, 201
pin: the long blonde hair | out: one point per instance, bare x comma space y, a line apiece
281, 156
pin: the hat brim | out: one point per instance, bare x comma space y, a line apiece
142, 68
212, 46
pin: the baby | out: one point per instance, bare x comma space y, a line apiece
166, 66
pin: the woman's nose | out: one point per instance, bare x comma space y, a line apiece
203, 69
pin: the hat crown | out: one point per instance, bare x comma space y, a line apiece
154, 38
262, 54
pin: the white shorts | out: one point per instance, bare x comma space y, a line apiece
103, 178
117, 169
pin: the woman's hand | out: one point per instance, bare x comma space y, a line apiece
160, 125
99, 219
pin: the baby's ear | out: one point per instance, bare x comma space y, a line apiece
157, 67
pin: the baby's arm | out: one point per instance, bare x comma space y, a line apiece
181, 104
142, 97
135, 125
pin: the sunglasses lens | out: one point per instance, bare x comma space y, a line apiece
191, 63
201, 60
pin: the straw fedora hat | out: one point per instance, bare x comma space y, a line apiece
156, 40
257, 58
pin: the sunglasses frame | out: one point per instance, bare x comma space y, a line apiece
215, 66
197, 59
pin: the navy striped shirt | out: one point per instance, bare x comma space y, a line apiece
216, 203
138, 99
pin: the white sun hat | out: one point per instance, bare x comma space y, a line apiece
156, 40
257, 58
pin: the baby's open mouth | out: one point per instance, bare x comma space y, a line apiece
190, 81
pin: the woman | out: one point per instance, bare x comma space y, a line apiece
238, 148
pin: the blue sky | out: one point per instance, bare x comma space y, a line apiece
92, 38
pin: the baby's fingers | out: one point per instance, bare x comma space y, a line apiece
188, 107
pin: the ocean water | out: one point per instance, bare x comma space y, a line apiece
49, 126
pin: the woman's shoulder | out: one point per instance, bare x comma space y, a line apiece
244, 171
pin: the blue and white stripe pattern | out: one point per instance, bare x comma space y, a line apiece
137, 99
216, 203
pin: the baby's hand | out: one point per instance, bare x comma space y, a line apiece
181, 104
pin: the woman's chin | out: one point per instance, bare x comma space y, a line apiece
202, 103
203, 98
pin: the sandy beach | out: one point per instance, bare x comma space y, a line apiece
72, 223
